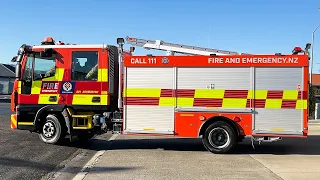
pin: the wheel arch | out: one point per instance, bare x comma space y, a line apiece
56, 135
45, 111
213, 119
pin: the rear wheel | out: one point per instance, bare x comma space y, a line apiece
219, 138
52, 131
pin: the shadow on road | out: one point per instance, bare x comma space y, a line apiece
18, 163
7, 161
309, 146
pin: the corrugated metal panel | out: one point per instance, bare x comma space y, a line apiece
157, 118
151, 118
282, 120
275, 119
150, 77
222, 78
278, 78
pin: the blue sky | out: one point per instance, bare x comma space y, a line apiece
249, 26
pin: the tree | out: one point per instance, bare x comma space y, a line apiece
312, 99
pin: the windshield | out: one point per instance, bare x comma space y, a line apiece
42, 67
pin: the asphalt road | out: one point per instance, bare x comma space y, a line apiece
24, 156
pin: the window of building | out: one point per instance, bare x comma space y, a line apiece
84, 66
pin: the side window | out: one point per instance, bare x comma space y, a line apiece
84, 66
44, 67
27, 74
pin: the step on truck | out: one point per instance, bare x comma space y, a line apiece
76, 91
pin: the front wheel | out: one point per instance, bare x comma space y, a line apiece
52, 130
219, 138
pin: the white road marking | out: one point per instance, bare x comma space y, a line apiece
57, 173
84, 171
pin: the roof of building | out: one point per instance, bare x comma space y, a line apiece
7, 70
315, 79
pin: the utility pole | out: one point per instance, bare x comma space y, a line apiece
312, 51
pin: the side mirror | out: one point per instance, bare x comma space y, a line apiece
120, 41
308, 45
132, 49
18, 70
14, 59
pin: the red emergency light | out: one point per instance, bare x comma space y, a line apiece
297, 50
48, 41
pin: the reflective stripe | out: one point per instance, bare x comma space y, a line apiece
290, 94
103, 75
209, 93
13, 121
44, 99
260, 94
234, 102
272, 99
167, 101
19, 87
25, 123
302, 104
85, 99
187, 102
36, 87
139, 92
57, 77
273, 103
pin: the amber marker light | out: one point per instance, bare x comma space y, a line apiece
202, 118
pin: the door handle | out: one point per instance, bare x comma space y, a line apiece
53, 98
96, 99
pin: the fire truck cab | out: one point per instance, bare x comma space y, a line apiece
67, 90
62, 89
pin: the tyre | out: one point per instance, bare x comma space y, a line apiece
52, 131
219, 138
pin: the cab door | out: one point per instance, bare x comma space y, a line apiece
39, 86
86, 78
40, 80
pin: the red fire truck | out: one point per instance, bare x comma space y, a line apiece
67, 90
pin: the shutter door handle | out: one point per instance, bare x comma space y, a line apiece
96, 99
53, 98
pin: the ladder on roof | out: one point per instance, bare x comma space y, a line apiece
172, 48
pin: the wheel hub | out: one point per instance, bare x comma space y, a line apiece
48, 130
219, 138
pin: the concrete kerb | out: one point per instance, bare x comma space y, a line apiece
86, 169
314, 122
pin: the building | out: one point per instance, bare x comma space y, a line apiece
7, 75
316, 89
